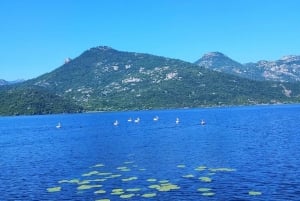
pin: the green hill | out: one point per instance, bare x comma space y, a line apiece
104, 79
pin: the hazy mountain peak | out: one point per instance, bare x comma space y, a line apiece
290, 58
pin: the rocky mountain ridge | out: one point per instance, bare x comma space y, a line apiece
286, 69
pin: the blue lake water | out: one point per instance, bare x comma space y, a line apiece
239, 150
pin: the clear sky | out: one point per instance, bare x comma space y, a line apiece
37, 35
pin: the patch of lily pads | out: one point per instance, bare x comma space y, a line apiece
138, 186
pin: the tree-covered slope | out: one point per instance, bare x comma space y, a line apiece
33, 100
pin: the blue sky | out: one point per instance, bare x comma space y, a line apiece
36, 36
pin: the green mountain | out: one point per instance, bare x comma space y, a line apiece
105, 79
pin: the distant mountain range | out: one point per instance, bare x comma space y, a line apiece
286, 69
4, 82
105, 79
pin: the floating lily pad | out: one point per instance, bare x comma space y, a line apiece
54, 189
83, 182
149, 195
100, 192
154, 186
181, 166
124, 196
163, 181
121, 168
99, 165
130, 179
128, 162
205, 179
222, 169
151, 180
208, 194
86, 187
113, 176
133, 189
104, 173
168, 187
72, 181
90, 173
204, 189
201, 168
142, 169
255, 193
188, 176
103, 200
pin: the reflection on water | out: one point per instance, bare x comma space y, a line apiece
242, 153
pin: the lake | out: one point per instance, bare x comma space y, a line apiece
241, 153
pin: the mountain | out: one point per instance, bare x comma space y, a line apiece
33, 100
286, 69
103, 78
4, 82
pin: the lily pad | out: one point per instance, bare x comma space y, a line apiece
204, 189
208, 194
254, 193
151, 180
54, 189
100, 192
181, 166
205, 179
127, 195
149, 195
133, 189
188, 176
103, 200
86, 187
90, 173
130, 179
222, 169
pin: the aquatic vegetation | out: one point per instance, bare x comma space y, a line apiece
90, 173
168, 187
72, 181
181, 166
142, 169
128, 162
104, 173
113, 176
204, 189
205, 179
100, 192
121, 168
83, 182
163, 181
127, 195
86, 187
151, 180
154, 186
201, 168
208, 194
54, 189
103, 199
98, 165
96, 180
188, 176
254, 193
222, 169
117, 191
133, 189
130, 179
149, 195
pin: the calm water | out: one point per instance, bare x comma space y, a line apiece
258, 146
